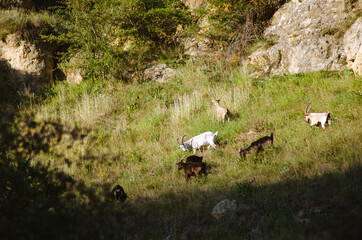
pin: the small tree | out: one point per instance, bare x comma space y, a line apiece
99, 29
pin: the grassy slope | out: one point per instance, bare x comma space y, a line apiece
310, 175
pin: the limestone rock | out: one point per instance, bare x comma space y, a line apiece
24, 63
157, 73
353, 47
223, 207
194, 4
199, 44
73, 72
304, 43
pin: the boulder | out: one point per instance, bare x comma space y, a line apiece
157, 73
223, 207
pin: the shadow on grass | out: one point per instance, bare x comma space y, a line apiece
37, 202
20, 88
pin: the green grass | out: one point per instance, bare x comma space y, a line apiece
310, 174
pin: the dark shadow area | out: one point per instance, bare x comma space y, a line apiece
35, 5
37, 202
18, 87
12, 84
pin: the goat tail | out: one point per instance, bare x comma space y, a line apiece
272, 136
215, 134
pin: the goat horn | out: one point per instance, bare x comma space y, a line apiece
305, 109
182, 139
183, 158
309, 109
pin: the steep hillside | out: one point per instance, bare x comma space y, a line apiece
308, 184
147, 72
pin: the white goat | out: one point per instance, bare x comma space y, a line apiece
316, 118
221, 112
206, 138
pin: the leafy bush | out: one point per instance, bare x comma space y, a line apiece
28, 25
241, 22
115, 37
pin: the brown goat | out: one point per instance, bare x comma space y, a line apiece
257, 146
190, 169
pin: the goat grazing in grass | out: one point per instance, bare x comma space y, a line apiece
190, 169
317, 118
257, 146
119, 194
192, 159
222, 113
206, 138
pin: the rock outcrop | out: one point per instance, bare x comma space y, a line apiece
308, 33
160, 73
24, 63
352, 42
223, 207
200, 44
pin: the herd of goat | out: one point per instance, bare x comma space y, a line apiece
194, 166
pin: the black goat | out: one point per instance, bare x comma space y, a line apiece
257, 146
119, 194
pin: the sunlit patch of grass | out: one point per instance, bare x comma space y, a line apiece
186, 106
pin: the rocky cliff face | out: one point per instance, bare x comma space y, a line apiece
352, 43
200, 45
24, 63
310, 37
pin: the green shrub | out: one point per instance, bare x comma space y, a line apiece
114, 38
241, 22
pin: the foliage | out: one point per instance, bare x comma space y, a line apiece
29, 5
113, 38
241, 22
6, 4
25, 182
28, 26
154, 20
